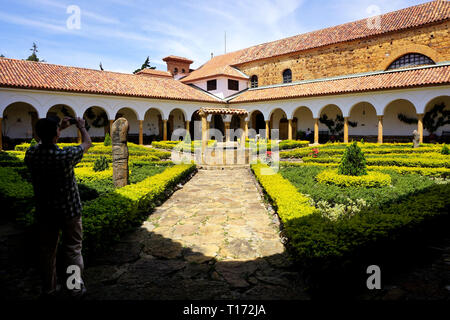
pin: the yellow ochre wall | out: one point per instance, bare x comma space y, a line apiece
364, 55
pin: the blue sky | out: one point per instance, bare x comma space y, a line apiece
122, 33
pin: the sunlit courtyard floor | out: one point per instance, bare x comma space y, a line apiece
212, 239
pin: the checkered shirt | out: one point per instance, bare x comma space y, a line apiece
55, 187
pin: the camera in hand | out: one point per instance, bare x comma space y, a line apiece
72, 121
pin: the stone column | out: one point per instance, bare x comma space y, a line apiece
141, 132
267, 129
204, 135
120, 152
227, 131
345, 129
289, 129
1, 134
420, 126
316, 130
242, 126
110, 126
188, 123
246, 129
164, 130
380, 129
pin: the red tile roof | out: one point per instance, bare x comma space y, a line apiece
427, 13
217, 66
208, 110
154, 73
38, 75
437, 75
168, 58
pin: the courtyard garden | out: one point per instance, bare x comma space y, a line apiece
337, 213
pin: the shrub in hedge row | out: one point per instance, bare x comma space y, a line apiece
432, 172
289, 202
108, 217
16, 195
370, 180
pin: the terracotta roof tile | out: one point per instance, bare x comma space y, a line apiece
436, 75
154, 73
177, 58
427, 13
217, 66
208, 110
37, 75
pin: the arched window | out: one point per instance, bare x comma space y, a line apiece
287, 76
175, 71
410, 59
254, 81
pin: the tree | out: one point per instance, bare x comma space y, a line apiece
2, 56
33, 56
146, 65
353, 162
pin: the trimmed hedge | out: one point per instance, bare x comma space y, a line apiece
289, 202
370, 180
106, 218
16, 195
432, 172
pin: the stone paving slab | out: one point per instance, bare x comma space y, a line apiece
212, 239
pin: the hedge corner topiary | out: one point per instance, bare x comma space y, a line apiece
353, 162
107, 141
445, 150
101, 164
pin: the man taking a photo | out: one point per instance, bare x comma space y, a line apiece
58, 204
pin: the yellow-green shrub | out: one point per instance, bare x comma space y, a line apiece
372, 179
289, 202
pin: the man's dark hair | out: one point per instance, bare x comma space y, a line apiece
46, 128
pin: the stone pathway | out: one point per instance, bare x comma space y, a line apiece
212, 239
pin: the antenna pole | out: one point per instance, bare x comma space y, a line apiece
225, 42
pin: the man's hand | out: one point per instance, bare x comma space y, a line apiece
65, 123
81, 123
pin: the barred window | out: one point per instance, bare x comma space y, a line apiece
254, 81
287, 76
410, 59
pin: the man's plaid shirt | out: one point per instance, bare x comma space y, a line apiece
55, 187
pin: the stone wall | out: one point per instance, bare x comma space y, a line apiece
370, 54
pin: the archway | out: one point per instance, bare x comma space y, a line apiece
429, 114
331, 123
196, 120
364, 115
152, 126
61, 111
257, 122
278, 120
97, 122
394, 129
19, 119
305, 123
176, 121
133, 123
